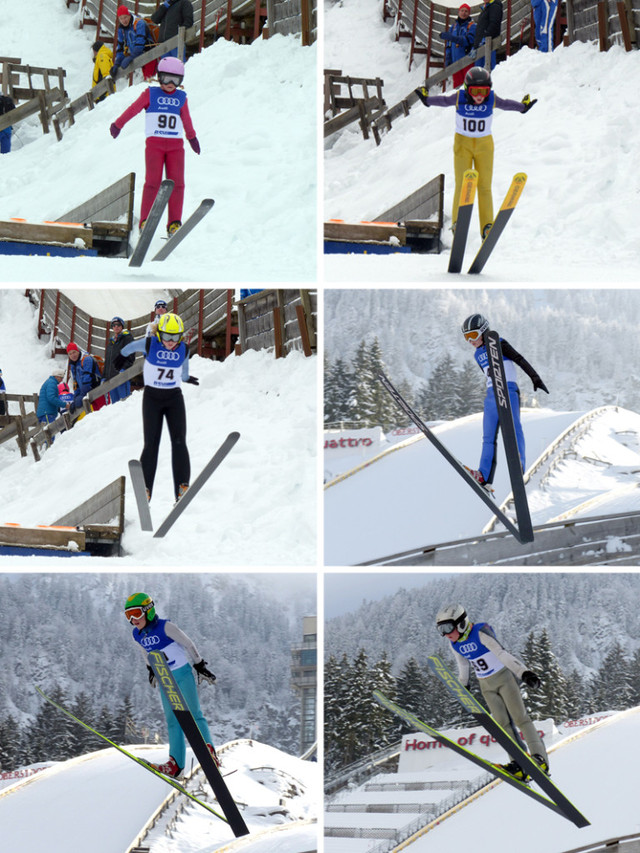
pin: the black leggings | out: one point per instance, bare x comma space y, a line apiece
159, 403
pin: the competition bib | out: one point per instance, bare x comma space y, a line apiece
163, 113
474, 120
163, 367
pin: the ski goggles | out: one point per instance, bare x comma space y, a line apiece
446, 627
164, 79
168, 336
476, 91
135, 613
473, 335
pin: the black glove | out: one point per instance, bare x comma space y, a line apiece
528, 103
203, 673
193, 380
531, 679
72, 408
539, 384
152, 676
423, 94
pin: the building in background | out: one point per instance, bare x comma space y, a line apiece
304, 670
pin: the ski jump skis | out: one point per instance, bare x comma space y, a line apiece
504, 214
484, 718
505, 416
140, 492
465, 209
493, 769
168, 685
199, 213
153, 220
451, 459
170, 781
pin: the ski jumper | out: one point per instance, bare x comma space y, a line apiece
496, 670
164, 371
167, 119
490, 422
180, 652
473, 144
544, 16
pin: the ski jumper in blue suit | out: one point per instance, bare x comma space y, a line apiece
490, 423
544, 16
180, 652
497, 671
164, 371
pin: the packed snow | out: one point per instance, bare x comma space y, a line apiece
258, 509
254, 111
278, 796
574, 220
395, 495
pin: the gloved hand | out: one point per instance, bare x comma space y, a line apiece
446, 36
193, 380
203, 673
114, 130
539, 384
531, 679
195, 144
152, 677
528, 103
114, 72
423, 94
472, 53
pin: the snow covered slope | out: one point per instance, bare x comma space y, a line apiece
254, 111
573, 222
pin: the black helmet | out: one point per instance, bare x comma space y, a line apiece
474, 326
477, 77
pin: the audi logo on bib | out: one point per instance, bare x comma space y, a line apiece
150, 641
468, 647
166, 355
168, 102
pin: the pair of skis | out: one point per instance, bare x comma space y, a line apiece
465, 209
140, 491
523, 532
552, 798
153, 220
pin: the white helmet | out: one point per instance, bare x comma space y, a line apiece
452, 616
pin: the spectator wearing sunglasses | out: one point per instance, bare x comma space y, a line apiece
115, 362
473, 141
159, 309
166, 367
473, 330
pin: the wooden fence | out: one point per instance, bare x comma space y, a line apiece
282, 320
607, 22
41, 100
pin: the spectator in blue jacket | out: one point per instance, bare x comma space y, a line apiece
49, 402
133, 39
6, 105
3, 409
86, 375
544, 17
459, 38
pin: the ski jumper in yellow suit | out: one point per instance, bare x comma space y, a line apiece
473, 142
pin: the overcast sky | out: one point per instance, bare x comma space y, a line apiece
344, 592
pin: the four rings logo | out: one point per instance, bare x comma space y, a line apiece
168, 102
168, 355
150, 641
468, 647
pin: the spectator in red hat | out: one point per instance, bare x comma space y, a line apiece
86, 375
459, 41
134, 37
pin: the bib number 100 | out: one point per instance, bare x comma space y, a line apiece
474, 125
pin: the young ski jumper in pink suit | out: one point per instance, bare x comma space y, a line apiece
167, 118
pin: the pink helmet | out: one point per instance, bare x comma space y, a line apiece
170, 65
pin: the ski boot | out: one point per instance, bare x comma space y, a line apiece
214, 754
486, 230
169, 768
514, 769
542, 762
172, 227
477, 476
182, 490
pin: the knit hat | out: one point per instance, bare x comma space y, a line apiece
463, 6
71, 347
122, 10
97, 45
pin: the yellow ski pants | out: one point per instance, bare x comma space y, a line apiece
474, 152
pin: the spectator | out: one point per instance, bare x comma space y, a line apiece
159, 309
114, 362
3, 408
6, 105
171, 15
459, 38
544, 17
102, 64
167, 120
50, 403
488, 26
134, 37
86, 376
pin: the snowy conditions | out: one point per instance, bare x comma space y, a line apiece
107, 798
400, 493
254, 112
259, 507
576, 218
592, 763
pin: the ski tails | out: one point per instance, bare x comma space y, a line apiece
504, 214
186, 228
140, 492
465, 209
153, 220
484, 718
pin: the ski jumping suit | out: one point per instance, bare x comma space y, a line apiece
164, 371
496, 670
473, 145
544, 16
167, 116
180, 652
490, 422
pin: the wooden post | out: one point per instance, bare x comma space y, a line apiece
624, 25
305, 22
56, 318
304, 332
200, 321
277, 332
203, 10
603, 26
227, 341
571, 23
40, 313
44, 118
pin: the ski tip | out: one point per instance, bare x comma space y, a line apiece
233, 436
